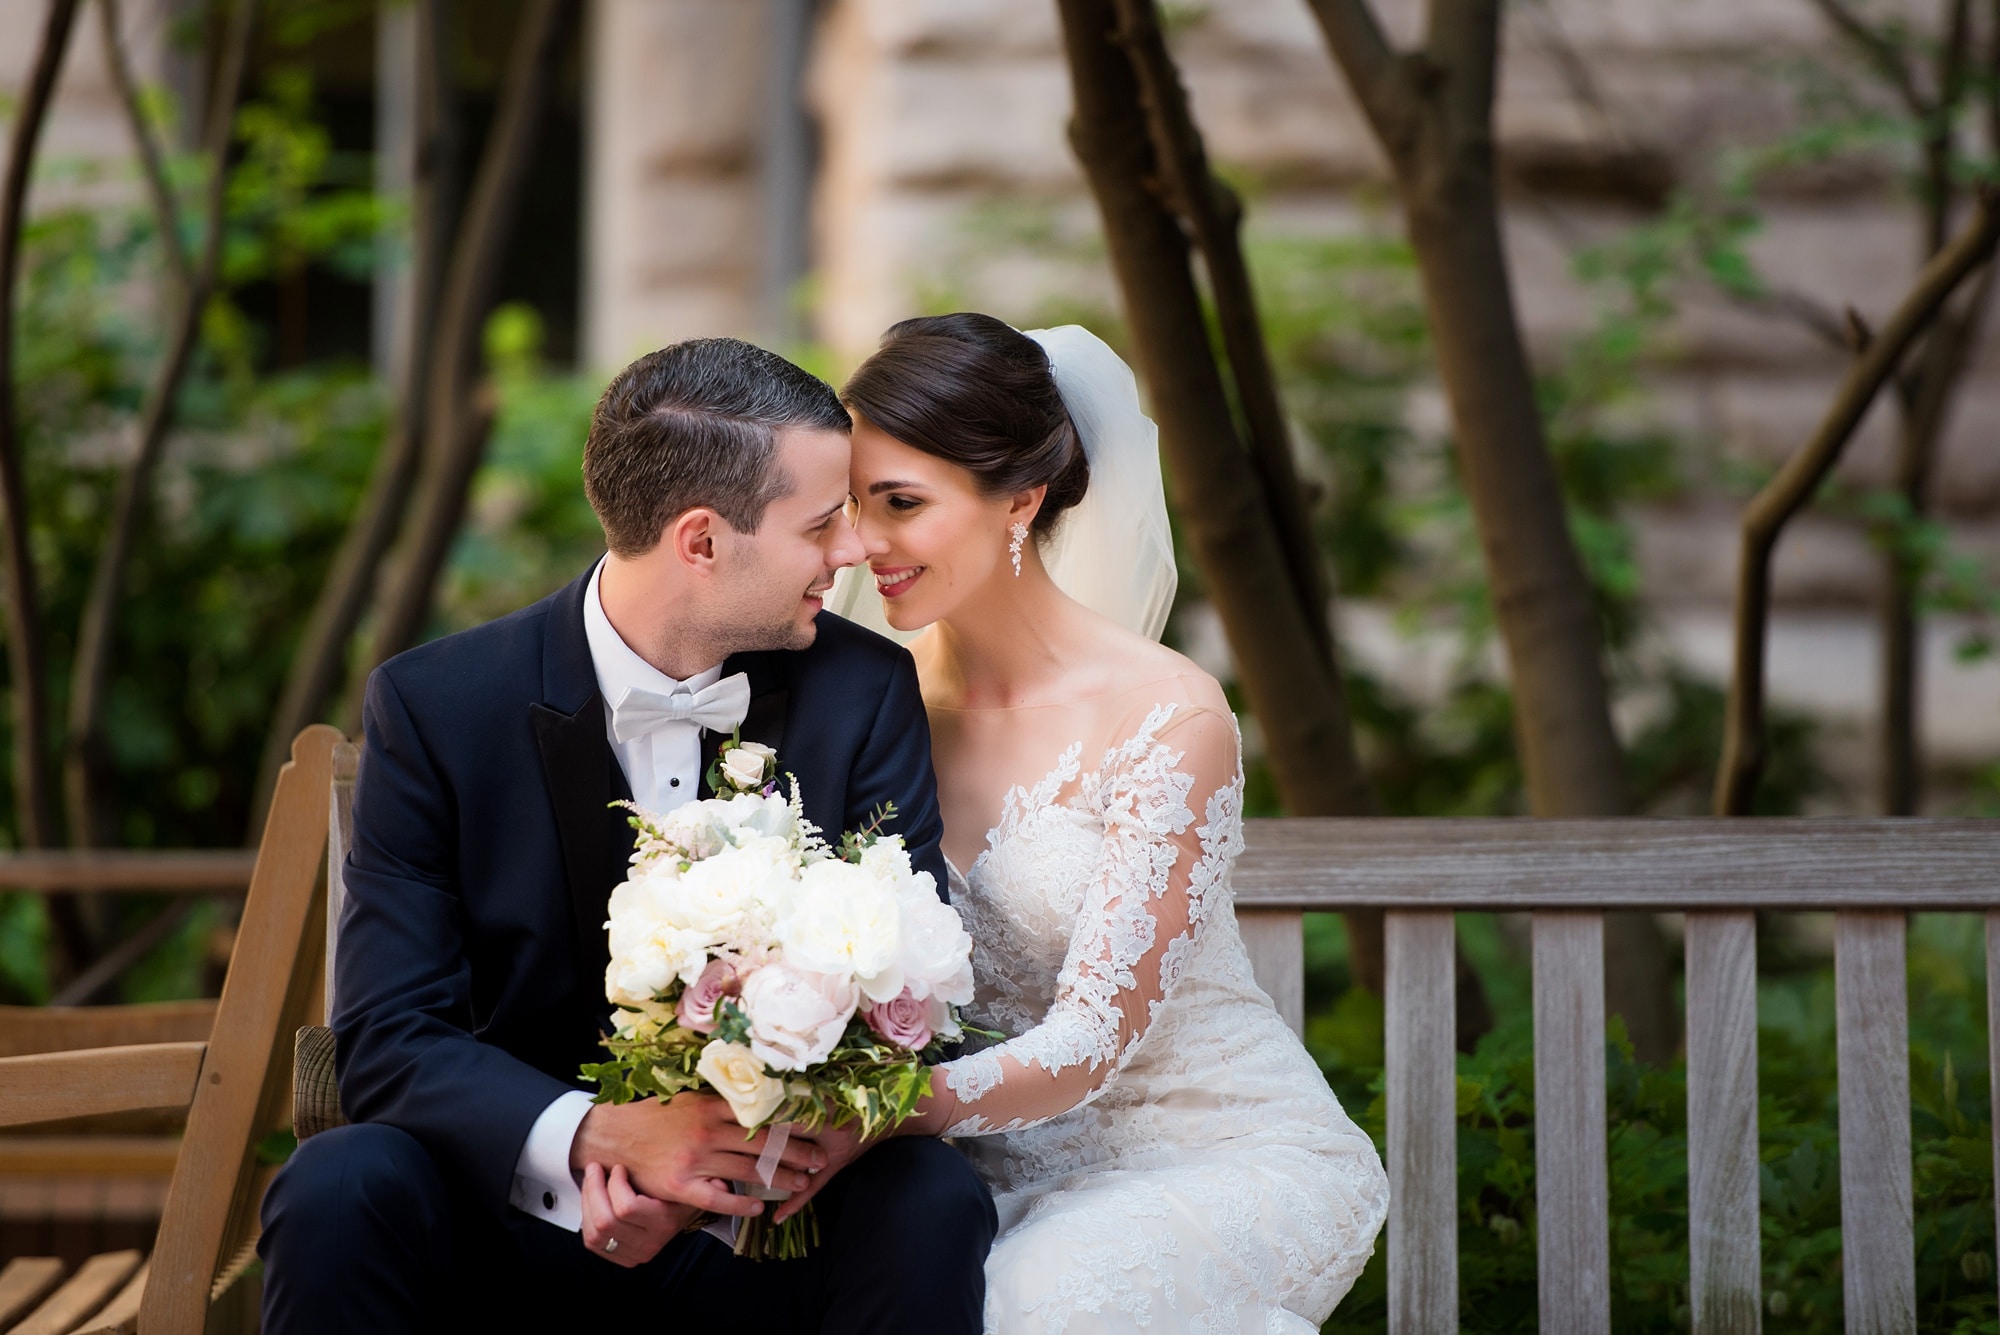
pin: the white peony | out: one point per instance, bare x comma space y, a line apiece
752, 814
936, 954
734, 1072
846, 922
693, 829
796, 1018
650, 942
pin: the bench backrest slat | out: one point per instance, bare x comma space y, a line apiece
1723, 1196
1276, 942
1878, 1237
1572, 1184
1420, 1027
1993, 1047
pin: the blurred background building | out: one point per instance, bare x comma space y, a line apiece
807, 171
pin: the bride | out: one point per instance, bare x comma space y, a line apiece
1163, 1152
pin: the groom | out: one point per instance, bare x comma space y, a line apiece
472, 945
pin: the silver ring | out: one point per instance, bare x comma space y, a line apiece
610, 1246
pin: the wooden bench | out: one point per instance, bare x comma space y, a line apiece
235, 1087
1869, 874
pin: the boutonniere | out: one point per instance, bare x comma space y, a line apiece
742, 767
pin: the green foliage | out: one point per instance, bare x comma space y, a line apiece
258, 484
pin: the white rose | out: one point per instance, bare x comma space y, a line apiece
734, 1072
936, 952
744, 769
846, 922
795, 1018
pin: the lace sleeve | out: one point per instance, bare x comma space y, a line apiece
1141, 912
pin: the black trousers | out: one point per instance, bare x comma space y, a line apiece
363, 1235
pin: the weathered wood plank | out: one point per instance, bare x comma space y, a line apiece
1723, 1255
1572, 1184
1421, 1036
93, 1285
182, 871
88, 1156
121, 1315
26, 1029
1993, 1048
54, 1085
1878, 1239
26, 1281
1275, 939
245, 1082
1489, 865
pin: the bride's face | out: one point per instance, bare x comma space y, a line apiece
932, 539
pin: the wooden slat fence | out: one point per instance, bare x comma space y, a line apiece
1869, 873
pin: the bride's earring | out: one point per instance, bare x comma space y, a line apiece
1020, 532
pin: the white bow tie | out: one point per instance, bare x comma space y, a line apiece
719, 708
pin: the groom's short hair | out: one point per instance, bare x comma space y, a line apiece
696, 424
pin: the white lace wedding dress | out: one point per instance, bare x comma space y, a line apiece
1164, 1153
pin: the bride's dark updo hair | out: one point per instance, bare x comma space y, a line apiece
980, 394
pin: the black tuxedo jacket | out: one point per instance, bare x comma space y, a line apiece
470, 977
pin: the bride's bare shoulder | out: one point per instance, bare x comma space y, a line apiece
1135, 670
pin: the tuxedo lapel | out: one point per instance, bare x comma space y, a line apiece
582, 775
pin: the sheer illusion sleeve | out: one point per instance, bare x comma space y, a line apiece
1169, 799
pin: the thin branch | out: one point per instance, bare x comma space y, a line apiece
1375, 70
160, 192
1793, 487
87, 761
1880, 52
321, 657
1214, 215
34, 798
459, 416
1941, 363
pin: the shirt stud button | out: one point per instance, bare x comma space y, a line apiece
548, 1200
673, 783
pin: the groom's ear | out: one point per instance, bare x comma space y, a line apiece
692, 538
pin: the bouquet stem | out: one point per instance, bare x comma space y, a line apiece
761, 1240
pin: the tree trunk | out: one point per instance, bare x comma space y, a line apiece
1432, 112
87, 765
320, 661
458, 418
1296, 695
27, 649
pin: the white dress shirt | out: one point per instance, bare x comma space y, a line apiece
664, 769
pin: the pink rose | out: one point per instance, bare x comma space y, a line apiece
696, 1009
903, 1020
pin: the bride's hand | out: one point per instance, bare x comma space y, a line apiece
613, 1213
842, 1147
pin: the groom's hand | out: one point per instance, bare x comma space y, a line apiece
622, 1226
687, 1150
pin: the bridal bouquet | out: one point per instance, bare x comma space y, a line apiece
804, 983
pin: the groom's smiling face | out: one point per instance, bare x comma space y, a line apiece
777, 578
